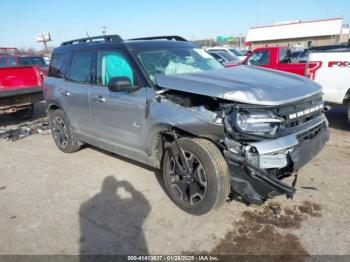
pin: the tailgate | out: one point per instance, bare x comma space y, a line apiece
21, 77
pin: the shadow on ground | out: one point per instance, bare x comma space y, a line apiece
111, 221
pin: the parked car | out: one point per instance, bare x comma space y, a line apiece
165, 102
24, 60
331, 69
278, 58
20, 88
231, 50
225, 58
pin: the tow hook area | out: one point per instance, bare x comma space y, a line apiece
255, 187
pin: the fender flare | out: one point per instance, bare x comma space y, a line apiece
53, 103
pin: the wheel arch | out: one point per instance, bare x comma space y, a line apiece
53, 104
162, 137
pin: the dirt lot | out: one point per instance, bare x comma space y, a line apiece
93, 202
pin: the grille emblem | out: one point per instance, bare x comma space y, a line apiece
306, 111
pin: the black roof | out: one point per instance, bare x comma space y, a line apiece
116, 41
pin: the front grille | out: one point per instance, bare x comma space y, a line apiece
311, 133
294, 108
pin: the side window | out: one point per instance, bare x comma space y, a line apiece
25, 61
285, 56
11, 61
57, 64
3, 62
217, 57
80, 69
112, 64
259, 58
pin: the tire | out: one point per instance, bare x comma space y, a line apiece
204, 189
349, 113
24, 114
62, 132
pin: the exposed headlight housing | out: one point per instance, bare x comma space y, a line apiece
255, 122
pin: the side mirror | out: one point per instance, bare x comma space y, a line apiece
119, 84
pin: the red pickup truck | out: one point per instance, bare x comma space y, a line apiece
23, 60
20, 88
278, 58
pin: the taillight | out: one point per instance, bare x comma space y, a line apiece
311, 68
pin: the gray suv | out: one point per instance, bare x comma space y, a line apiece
163, 101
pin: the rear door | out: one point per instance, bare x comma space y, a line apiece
75, 91
118, 117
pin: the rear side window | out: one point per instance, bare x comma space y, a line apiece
259, 58
57, 65
2, 62
7, 62
32, 61
80, 69
12, 62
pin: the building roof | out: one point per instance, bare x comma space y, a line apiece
296, 29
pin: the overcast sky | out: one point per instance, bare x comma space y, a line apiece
20, 20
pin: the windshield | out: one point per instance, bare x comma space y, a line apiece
32, 61
172, 61
236, 52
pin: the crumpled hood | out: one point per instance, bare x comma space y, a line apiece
246, 84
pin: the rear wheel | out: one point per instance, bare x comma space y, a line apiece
62, 132
205, 185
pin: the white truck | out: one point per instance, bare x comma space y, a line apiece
331, 69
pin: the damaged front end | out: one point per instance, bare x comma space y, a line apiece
262, 144
265, 146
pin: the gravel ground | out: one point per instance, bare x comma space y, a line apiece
93, 202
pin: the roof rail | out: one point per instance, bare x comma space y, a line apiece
106, 38
167, 37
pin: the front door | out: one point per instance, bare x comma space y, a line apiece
118, 117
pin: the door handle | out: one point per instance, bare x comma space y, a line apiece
135, 124
65, 93
100, 99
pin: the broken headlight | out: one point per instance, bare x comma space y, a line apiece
255, 122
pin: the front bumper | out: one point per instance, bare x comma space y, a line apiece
257, 169
296, 149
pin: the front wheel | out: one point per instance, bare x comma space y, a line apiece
203, 187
